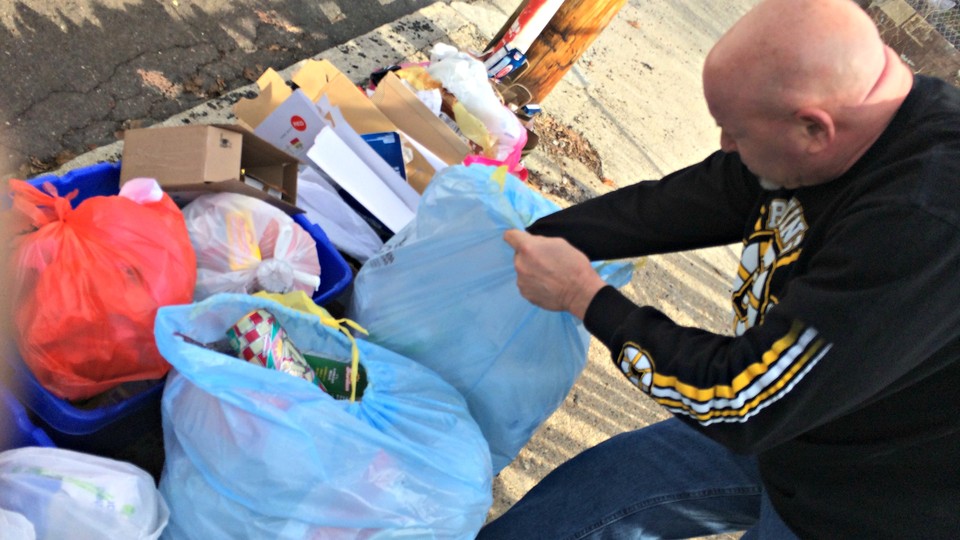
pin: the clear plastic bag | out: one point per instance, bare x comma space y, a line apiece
67, 494
345, 228
246, 245
255, 453
479, 113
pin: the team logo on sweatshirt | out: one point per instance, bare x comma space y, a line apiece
773, 246
637, 365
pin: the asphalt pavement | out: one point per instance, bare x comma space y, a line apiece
79, 72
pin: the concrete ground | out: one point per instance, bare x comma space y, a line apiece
634, 99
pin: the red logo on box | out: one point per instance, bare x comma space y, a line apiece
298, 123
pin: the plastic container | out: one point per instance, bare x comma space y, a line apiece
335, 274
16, 429
130, 430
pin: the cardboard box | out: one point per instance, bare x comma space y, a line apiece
191, 160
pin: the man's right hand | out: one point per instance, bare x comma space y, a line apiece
553, 274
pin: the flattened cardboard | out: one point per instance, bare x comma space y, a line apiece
417, 121
273, 91
389, 179
191, 160
319, 78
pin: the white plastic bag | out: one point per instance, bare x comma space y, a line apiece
343, 225
67, 494
466, 78
246, 245
16, 526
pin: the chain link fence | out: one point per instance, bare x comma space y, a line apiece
943, 15
926, 33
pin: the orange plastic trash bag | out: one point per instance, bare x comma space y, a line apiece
88, 282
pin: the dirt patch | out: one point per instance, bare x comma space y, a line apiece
559, 140
159, 82
561, 143
565, 192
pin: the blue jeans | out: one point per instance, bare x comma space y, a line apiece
663, 481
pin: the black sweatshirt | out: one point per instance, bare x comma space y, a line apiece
841, 373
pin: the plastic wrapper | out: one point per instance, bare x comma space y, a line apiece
478, 111
246, 245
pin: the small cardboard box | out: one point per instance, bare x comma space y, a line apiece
191, 160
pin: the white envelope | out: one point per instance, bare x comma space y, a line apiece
368, 156
339, 161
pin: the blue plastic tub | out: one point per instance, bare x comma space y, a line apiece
99, 179
131, 429
16, 429
335, 274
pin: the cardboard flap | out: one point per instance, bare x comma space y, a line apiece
313, 76
265, 161
273, 92
318, 78
417, 121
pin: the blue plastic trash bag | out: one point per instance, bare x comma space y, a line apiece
443, 292
253, 452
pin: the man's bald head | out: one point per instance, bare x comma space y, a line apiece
802, 88
796, 52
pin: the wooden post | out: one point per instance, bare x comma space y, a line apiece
570, 32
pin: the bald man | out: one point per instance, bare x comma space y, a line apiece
833, 407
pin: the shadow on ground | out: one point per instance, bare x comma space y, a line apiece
87, 70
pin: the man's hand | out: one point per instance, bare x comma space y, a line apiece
553, 274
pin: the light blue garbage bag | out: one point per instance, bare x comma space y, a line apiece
443, 292
253, 452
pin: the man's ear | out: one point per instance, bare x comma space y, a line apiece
818, 128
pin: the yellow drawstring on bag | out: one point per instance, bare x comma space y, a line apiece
299, 301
